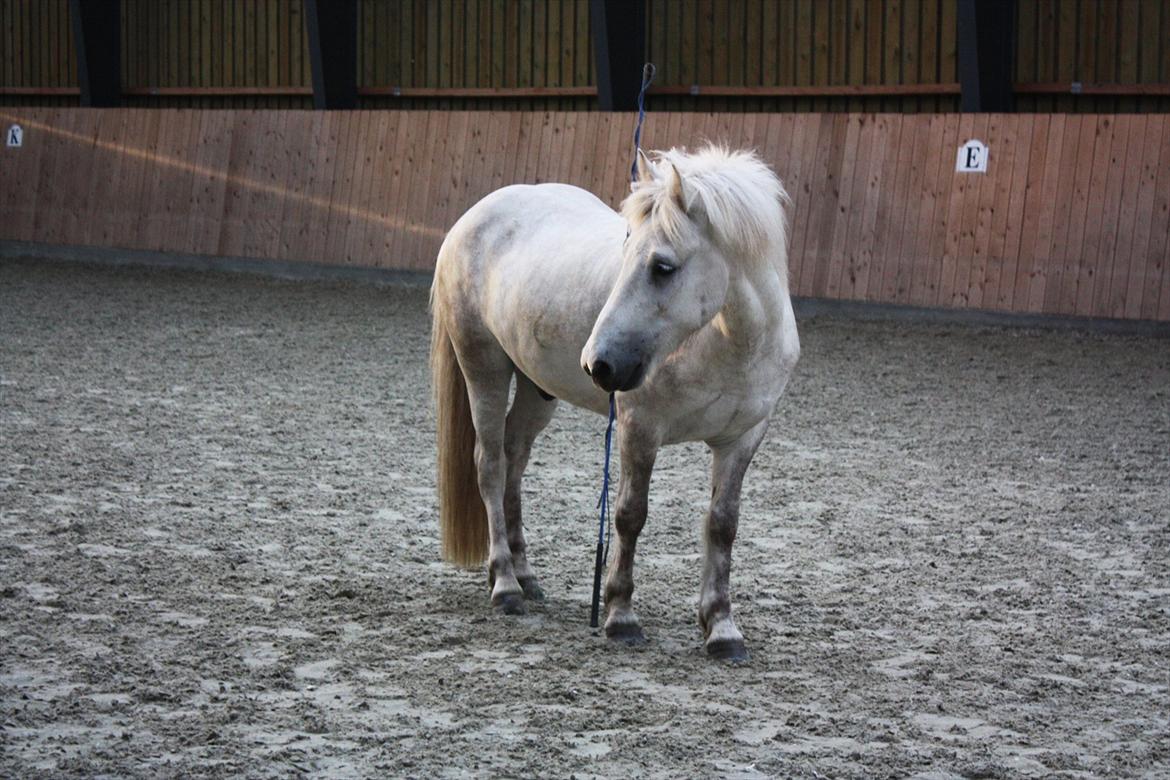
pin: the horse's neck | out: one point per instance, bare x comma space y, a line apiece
752, 314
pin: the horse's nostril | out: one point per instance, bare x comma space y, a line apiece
600, 371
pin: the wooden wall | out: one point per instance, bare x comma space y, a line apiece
1072, 217
435, 45
1093, 42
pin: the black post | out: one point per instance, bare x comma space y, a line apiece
332, 27
619, 47
97, 39
986, 38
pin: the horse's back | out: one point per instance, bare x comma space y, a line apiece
532, 265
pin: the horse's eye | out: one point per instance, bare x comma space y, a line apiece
662, 269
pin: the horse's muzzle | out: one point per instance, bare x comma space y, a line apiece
611, 379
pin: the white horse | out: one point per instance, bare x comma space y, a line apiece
679, 305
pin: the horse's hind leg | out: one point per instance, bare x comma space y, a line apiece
529, 415
488, 373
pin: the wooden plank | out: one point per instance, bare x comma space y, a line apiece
832, 152
1111, 215
1157, 258
884, 280
844, 210
1134, 186
959, 194
1138, 276
944, 186
923, 164
1062, 208
862, 198
817, 141
1070, 245
1033, 299
1013, 139
1094, 226
805, 141
876, 201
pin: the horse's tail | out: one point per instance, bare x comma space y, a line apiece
462, 517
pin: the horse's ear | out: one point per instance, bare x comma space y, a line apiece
645, 167
675, 188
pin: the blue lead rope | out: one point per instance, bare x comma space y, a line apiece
647, 77
603, 515
603, 500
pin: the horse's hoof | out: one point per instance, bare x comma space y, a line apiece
627, 633
509, 603
731, 650
532, 589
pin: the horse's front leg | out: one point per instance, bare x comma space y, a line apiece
724, 641
638, 454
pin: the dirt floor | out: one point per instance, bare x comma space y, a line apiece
218, 555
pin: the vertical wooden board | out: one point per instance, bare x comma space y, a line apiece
945, 186
344, 168
1133, 189
1140, 274
504, 139
538, 155
357, 205
1158, 250
141, 182
179, 164
448, 173
20, 172
1071, 245
381, 208
1062, 211
231, 228
85, 149
968, 219
991, 188
805, 144
851, 189
408, 171
314, 219
1006, 160
876, 202
95, 186
892, 250
209, 181
1111, 215
109, 213
919, 134
304, 134
1087, 258
869, 156
153, 213
392, 188
580, 162
420, 163
1033, 205
428, 229
820, 190
292, 132
1017, 205
960, 193
825, 205
569, 137
815, 156
891, 201
932, 154
59, 156
1033, 301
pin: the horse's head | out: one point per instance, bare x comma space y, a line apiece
673, 280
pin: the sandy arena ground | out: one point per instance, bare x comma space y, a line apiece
218, 555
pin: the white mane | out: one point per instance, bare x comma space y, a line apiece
742, 199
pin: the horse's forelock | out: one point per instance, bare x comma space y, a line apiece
741, 198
